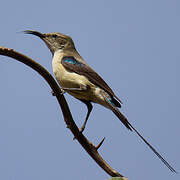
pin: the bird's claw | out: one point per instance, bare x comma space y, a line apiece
62, 92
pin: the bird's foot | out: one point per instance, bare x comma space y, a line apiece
62, 92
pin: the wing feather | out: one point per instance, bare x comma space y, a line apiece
89, 73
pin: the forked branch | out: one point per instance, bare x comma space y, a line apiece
88, 146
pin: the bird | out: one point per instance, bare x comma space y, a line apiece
78, 79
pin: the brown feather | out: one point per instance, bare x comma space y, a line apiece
92, 76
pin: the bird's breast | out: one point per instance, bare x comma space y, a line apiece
68, 79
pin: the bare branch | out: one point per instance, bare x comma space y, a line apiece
88, 146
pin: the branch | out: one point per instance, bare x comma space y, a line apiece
88, 146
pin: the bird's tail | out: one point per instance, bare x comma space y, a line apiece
124, 120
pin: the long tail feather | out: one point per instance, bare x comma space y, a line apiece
124, 120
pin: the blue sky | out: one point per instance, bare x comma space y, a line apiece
134, 46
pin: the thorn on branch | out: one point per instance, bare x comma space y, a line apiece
99, 145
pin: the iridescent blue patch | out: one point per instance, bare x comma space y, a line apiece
110, 100
71, 60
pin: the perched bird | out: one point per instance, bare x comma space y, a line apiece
77, 78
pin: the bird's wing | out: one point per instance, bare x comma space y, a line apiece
71, 64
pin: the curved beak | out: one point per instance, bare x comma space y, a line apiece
36, 33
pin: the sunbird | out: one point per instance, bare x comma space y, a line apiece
78, 79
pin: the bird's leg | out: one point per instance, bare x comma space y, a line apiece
88, 103
89, 107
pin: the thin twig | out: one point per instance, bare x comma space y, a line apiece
89, 147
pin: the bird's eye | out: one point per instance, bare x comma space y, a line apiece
54, 35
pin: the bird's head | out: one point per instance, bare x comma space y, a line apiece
54, 41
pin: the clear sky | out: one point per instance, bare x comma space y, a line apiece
134, 45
